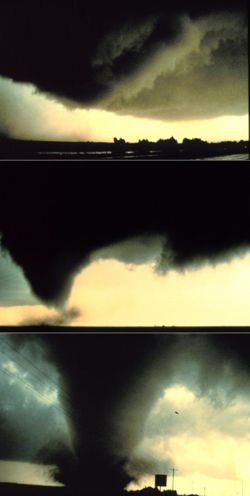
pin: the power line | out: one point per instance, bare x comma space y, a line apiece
27, 385
173, 471
68, 409
18, 354
35, 367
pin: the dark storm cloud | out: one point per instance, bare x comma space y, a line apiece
202, 74
30, 417
86, 54
114, 380
55, 219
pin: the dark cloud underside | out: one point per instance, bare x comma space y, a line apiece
92, 54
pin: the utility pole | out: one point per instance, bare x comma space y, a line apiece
173, 471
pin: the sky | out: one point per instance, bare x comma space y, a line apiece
152, 73
141, 246
207, 443
32, 417
57, 220
110, 292
85, 248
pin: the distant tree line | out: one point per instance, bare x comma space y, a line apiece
170, 148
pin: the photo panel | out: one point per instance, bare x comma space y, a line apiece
124, 413
124, 245
153, 80
119, 244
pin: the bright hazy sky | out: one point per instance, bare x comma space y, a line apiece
208, 444
26, 473
111, 293
52, 120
